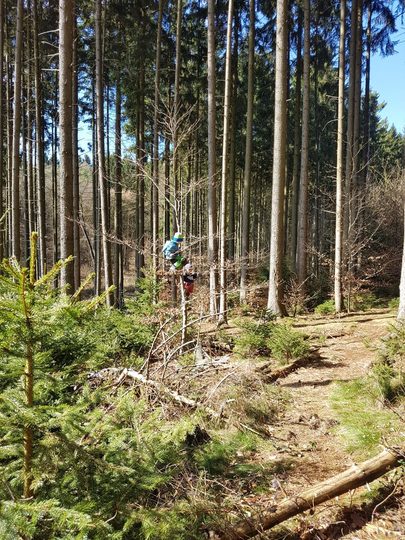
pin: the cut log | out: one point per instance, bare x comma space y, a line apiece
161, 388
270, 376
352, 478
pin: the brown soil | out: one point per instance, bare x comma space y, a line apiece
348, 349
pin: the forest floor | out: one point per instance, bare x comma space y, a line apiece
308, 442
348, 350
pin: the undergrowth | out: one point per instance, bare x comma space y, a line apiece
366, 407
278, 340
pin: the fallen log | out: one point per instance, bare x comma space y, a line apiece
161, 388
270, 376
352, 478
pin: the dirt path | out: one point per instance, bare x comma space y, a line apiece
307, 432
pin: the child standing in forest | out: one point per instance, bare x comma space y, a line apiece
189, 277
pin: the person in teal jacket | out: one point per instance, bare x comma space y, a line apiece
172, 252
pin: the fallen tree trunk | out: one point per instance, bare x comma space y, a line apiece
352, 478
270, 376
161, 388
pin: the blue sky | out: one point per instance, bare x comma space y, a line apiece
388, 80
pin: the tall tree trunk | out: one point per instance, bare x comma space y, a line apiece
102, 180
297, 146
15, 180
356, 118
3, 184
274, 302
401, 309
366, 132
225, 170
177, 197
66, 26
248, 157
75, 148
212, 205
155, 186
339, 161
350, 127
39, 140
231, 242
119, 263
302, 233
55, 190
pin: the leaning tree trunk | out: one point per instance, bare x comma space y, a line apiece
274, 302
102, 180
356, 476
224, 172
212, 206
66, 29
339, 161
248, 157
302, 232
15, 178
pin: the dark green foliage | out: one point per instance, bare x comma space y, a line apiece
278, 340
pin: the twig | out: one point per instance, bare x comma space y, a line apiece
385, 500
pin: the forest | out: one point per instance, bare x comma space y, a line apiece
202, 271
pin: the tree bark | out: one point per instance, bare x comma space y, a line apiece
225, 170
66, 25
356, 476
39, 140
119, 263
274, 302
75, 148
248, 157
297, 146
339, 162
155, 187
302, 233
212, 205
15, 179
3, 184
350, 127
102, 180
401, 309
177, 197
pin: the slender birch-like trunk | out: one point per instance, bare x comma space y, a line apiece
39, 140
225, 170
66, 29
2, 182
177, 197
339, 161
15, 173
297, 146
274, 302
248, 157
102, 180
212, 205
302, 232
155, 187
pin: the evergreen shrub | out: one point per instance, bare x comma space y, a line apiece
326, 308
